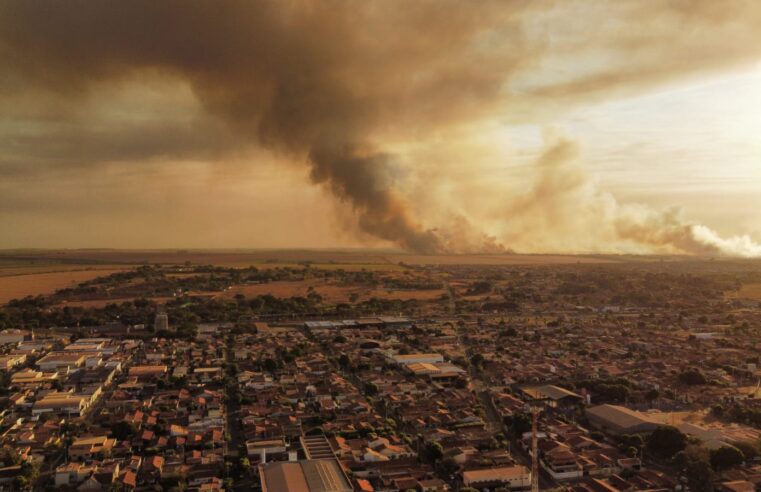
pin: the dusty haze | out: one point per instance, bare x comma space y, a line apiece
345, 95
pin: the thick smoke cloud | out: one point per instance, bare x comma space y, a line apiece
334, 84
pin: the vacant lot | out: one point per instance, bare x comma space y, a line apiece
329, 292
749, 291
29, 284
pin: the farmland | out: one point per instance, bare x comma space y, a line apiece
32, 283
393, 275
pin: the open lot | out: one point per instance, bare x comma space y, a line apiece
330, 293
22, 285
749, 291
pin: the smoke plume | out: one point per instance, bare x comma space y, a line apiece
566, 205
338, 84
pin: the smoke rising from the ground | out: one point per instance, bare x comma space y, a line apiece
565, 204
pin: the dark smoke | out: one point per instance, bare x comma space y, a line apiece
305, 78
364, 181
324, 81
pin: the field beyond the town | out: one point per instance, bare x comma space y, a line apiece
749, 291
35, 283
33, 272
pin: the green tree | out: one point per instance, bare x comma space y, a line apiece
692, 377
519, 423
371, 389
666, 441
270, 365
749, 449
432, 452
726, 457
694, 462
477, 360
123, 430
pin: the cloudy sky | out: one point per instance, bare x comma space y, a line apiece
436, 126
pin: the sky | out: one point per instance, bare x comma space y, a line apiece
441, 127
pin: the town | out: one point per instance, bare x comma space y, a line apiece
428, 378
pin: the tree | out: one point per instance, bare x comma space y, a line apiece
371, 389
9, 456
666, 441
245, 465
692, 377
717, 410
344, 361
449, 466
432, 452
726, 457
477, 360
123, 430
749, 449
270, 365
631, 441
699, 476
694, 462
652, 395
519, 423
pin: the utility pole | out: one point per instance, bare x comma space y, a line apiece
534, 449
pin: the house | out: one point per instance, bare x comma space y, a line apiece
553, 396
8, 474
31, 379
737, 486
71, 473
11, 336
86, 448
8, 362
143, 373
207, 374
57, 361
514, 477
61, 403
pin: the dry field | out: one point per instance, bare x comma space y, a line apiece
22, 285
748, 291
347, 259
229, 258
285, 288
330, 293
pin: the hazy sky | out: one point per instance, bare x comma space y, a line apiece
442, 127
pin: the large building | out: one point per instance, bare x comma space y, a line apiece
553, 396
406, 359
620, 420
58, 361
10, 336
324, 475
514, 477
